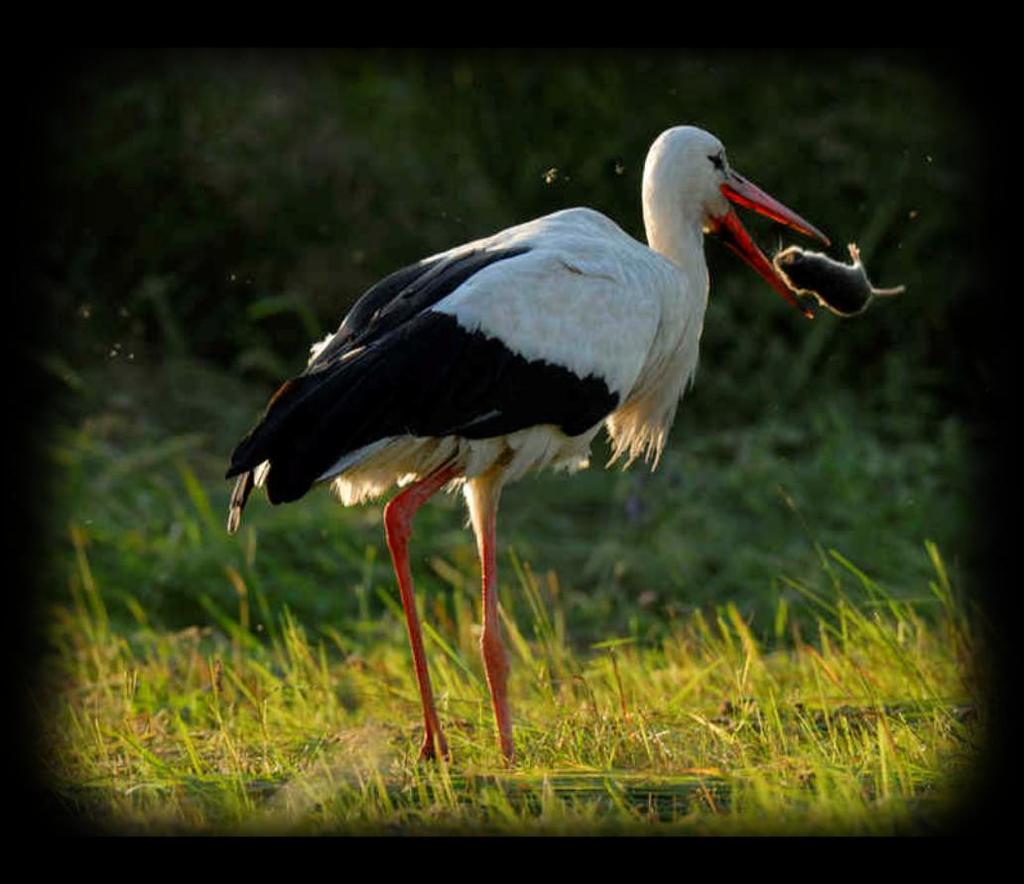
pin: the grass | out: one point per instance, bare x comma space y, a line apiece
869, 724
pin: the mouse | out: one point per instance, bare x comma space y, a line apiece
842, 288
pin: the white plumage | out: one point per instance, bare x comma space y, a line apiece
582, 273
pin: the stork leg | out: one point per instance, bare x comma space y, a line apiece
482, 494
398, 515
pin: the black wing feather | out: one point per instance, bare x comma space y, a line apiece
403, 369
403, 295
382, 309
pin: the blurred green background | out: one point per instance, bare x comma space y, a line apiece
210, 213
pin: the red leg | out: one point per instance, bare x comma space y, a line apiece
398, 515
483, 505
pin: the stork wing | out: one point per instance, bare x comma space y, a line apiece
476, 344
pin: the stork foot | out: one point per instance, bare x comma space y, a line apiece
508, 752
430, 748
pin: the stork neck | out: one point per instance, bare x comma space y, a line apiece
672, 229
671, 232
683, 245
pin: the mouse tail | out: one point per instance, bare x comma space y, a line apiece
888, 293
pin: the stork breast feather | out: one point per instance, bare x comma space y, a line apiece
585, 315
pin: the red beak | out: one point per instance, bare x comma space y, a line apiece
738, 190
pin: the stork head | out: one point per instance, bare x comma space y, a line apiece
688, 166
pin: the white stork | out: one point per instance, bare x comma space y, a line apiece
504, 356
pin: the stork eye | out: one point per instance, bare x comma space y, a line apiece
717, 161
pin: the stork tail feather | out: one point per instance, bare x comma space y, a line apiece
243, 488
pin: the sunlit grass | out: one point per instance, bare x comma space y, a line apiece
866, 725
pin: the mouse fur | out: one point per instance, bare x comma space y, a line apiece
841, 288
